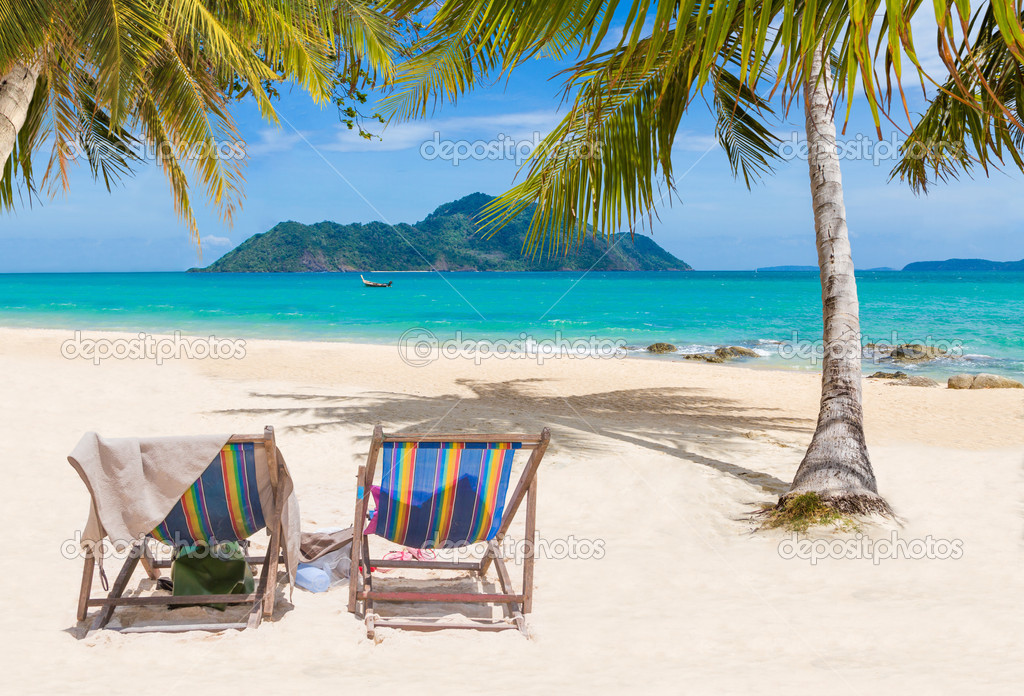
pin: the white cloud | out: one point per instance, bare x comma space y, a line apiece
688, 141
411, 135
216, 241
273, 140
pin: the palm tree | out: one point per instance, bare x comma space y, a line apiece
836, 465
605, 164
110, 76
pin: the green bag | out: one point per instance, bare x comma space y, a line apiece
204, 570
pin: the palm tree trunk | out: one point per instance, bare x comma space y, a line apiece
836, 465
16, 89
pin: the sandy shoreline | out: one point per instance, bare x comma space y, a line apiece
660, 461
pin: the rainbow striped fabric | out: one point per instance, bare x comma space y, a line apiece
222, 505
443, 494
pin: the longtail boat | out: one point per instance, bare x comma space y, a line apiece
371, 284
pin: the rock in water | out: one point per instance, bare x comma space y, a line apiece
888, 375
960, 382
729, 352
661, 348
915, 352
722, 354
987, 381
706, 357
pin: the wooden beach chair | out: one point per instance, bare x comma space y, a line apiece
445, 491
222, 505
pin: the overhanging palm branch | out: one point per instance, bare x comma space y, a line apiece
964, 124
608, 163
462, 49
629, 100
864, 35
120, 73
23, 28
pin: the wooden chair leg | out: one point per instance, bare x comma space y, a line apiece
505, 581
364, 480
355, 575
83, 595
268, 578
367, 579
148, 562
256, 615
107, 612
528, 551
259, 605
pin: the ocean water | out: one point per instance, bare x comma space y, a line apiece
979, 317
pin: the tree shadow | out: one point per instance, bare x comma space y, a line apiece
668, 420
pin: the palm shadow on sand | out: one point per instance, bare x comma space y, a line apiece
669, 420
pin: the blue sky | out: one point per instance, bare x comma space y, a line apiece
312, 168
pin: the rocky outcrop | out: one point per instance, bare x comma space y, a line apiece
706, 357
915, 352
722, 354
661, 348
983, 381
902, 378
987, 381
729, 352
960, 382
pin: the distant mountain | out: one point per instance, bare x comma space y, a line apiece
446, 240
770, 269
965, 265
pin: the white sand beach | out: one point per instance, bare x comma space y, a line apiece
660, 461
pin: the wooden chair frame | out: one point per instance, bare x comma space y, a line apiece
262, 600
518, 605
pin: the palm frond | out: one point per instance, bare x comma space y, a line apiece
964, 125
469, 41
739, 126
608, 164
23, 27
110, 151
120, 74
119, 38
366, 35
153, 125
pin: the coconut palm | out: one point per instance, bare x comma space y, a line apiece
110, 76
608, 163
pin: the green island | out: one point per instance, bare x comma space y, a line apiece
446, 240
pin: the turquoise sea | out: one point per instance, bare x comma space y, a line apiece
978, 316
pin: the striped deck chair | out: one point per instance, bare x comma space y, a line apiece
222, 505
442, 492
